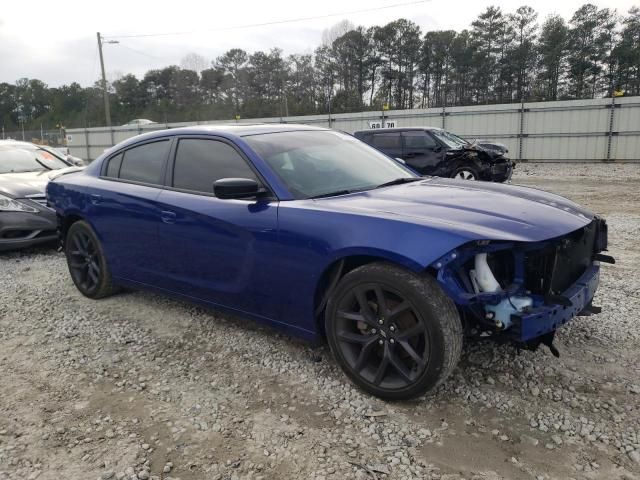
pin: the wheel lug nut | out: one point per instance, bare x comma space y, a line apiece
381, 321
373, 330
392, 328
392, 340
380, 342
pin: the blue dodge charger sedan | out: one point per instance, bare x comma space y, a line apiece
315, 232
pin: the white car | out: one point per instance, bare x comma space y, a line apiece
56, 152
138, 122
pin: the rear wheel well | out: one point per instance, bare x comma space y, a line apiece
65, 224
330, 278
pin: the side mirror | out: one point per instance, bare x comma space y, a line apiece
229, 188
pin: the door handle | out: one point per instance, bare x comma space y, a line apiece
95, 199
167, 216
410, 154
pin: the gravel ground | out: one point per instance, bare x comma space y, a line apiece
142, 387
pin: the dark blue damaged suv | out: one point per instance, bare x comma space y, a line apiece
316, 233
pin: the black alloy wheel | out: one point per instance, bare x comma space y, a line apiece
86, 261
394, 333
382, 336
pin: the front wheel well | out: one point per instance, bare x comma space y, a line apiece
330, 278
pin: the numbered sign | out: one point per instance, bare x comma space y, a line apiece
385, 124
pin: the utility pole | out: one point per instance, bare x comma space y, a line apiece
329, 106
105, 94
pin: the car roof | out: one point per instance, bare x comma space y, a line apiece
397, 129
10, 141
18, 143
229, 131
242, 130
238, 130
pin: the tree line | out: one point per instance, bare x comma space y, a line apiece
502, 57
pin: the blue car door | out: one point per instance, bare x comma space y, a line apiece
213, 249
123, 211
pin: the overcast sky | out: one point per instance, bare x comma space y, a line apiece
56, 41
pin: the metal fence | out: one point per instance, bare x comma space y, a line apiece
54, 138
576, 130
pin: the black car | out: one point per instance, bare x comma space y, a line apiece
434, 151
25, 170
500, 148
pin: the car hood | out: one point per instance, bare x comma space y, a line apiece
476, 210
491, 153
28, 183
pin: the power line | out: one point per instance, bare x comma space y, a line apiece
95, 61
139, 52
275, 22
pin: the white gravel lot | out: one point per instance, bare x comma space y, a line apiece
138, 386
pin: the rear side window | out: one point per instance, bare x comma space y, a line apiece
418, 140
365, 137
113, 167
386, 140
144, 163
199, 163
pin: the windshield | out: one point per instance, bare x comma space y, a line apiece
321, 163
52, 151
449, 139
25, 159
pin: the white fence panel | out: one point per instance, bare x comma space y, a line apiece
547, 131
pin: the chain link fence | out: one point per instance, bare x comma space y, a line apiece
53, 137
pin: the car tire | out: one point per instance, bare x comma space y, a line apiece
466, 172
86, 261
394, 333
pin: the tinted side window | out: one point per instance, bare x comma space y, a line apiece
365, 137
418, 140
386, 140
144, 163
113, 167
199, 163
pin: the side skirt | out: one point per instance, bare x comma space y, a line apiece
308, 335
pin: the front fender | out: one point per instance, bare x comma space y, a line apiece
327, 236
313, 240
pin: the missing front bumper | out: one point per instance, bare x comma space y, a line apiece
548, 318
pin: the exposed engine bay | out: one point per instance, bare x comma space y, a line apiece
525, 291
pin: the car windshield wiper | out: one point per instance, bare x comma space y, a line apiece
334, 194
23, 171
45, 166
398, 181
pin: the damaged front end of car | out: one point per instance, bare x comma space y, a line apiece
491, 165
525, 291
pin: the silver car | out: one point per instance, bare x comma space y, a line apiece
25, 170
